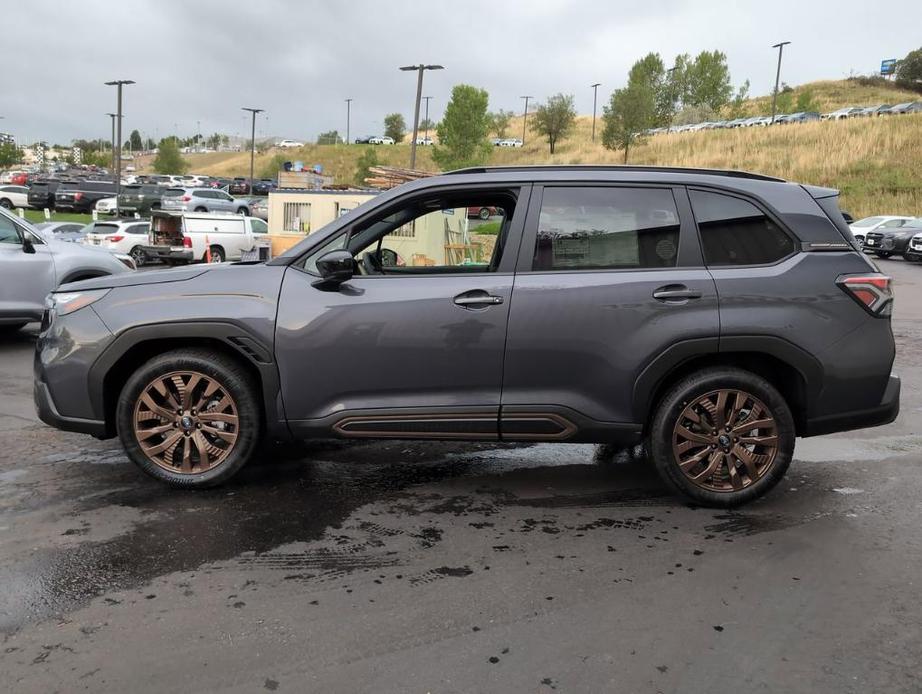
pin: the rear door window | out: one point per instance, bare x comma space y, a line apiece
736, 232
606, 228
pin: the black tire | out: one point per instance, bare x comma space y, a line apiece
155, 206
883, 254
200, 209
138, 256
484, 213
245, 211
233, 379
217, 254
667, 416
6, 204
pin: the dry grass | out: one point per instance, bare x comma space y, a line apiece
876, 162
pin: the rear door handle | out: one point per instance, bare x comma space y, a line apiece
477, 299
676, 293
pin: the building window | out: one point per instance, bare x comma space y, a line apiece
297, 217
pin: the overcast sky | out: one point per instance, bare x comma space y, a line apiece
199, 61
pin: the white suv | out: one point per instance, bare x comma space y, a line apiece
289, 143
119, 236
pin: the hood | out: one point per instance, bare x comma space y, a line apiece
132, 279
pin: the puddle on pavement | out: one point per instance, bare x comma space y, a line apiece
831, 448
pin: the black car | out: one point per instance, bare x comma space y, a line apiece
41, 194
239, 186
140, 198
621, 305
887, 242
82, 196
363, 140
264, 186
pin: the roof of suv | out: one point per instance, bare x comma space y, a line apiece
617, 169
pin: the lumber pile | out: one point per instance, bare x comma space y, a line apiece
390, 176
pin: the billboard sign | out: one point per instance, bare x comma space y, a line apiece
888, 67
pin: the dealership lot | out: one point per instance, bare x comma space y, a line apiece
443, 567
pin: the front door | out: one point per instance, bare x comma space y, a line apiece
25, 278
412, 345
610, 282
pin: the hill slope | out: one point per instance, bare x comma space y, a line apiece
876, 163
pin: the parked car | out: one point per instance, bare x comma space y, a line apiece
239, 186
106, 206
32, 265
81, 196
179, 238
286, 144
264, 186
63, 231
259, 207
904, 108
379, 140
482, 212
14, 196
510, 142
366, 140
615, 337
914, 251
140, 198
800, 117
841, 114
126, 236
886, 242
424, 141
871, 111
868, 224
202, 200
41, 194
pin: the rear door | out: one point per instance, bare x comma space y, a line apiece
609, 286
25, 278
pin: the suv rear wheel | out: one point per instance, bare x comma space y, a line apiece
722, 437
189, 418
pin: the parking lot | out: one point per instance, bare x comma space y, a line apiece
394, 566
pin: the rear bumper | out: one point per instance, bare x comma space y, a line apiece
884, 413
168, 253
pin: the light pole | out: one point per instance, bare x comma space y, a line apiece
348, 118
525, 117
118, 142
780, 47
672, 96
254, 111
420, 69
595, 94
426, 120
112, 141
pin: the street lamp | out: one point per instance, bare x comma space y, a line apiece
118, 141
525, 117
348, 118
780, 47
426, 119
254, 111
420, 69
595, 94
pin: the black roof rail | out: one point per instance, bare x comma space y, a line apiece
589, 167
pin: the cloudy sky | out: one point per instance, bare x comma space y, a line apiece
197, 62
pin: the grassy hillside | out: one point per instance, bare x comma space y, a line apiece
876, 163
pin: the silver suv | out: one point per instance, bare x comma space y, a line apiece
203, 200
33, 265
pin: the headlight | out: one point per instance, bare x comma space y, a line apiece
64, 303
126, 260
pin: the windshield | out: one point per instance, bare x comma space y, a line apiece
868, 222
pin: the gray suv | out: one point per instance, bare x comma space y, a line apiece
701, 312
202, 200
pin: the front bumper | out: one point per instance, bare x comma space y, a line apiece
884, 413
48, 413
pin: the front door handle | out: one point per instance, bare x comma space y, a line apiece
676, 293
477, 299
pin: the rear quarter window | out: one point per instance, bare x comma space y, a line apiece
735, 232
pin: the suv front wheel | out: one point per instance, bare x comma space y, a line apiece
189, 418
722, 437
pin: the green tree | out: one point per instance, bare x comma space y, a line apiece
909, 71
464, 129
395, 127
331, 137
168, 159
737, 107
704, 80
427, 124
137, 144
784, 103
9, 154
629, 112
213, 141
499, 122
368, 159
271, 168
555, 119
806, 101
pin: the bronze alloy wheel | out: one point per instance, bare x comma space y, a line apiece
186, 422
725, 440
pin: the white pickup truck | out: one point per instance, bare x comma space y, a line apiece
177, 237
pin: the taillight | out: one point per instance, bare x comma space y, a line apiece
186, 198
78, 196
872, 291
114, 239
186, 242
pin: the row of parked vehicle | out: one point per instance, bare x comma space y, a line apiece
885, 236
799, 117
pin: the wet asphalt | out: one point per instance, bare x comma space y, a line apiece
446, 567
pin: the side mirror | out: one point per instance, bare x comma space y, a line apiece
27, 245
335, 268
